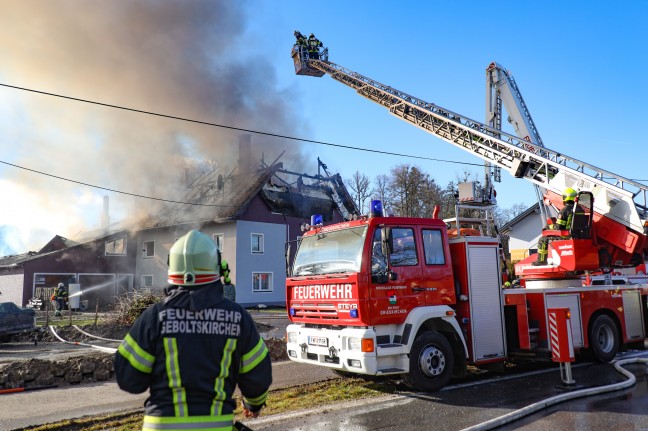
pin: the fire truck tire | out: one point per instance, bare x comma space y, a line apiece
431, 362
604, 339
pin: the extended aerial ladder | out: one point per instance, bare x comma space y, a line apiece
620, 204
501, 88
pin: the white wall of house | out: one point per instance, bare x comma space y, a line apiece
253, 265
266, 268
153, 247
524, 236
152, 259
11, 288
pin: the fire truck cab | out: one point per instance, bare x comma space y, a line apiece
389, 295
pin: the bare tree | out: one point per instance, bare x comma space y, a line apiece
504, 216
359, 185
381, 190
414, 192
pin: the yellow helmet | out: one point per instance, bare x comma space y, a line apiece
569, 195
194, 260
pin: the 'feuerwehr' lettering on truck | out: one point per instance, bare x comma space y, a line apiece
323, 291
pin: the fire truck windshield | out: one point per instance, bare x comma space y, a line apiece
331, 252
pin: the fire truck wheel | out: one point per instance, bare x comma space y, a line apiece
431, 362
604, 339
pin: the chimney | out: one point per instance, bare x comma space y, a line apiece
105, 217
245, 154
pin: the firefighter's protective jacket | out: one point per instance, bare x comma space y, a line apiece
564, 218
60, 293
190, 351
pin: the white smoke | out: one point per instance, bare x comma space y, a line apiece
174, 57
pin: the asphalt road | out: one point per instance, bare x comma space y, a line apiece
462, 406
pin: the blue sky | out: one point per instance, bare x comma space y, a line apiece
579, 65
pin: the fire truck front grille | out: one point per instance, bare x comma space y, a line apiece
324, 312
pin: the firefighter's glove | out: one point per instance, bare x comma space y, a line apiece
250, 411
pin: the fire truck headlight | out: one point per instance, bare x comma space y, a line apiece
354, 343
292, 337
361, 344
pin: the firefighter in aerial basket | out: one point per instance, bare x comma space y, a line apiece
191, 349
562, 222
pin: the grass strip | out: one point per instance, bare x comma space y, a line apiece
279, 401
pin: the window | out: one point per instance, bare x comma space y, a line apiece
404, 252
116, 247
257, 243
148, 249
378, 259
147, 281
433, 247
261, 282
341, 250
218, 239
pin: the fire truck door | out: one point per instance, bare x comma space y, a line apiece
406, 291
437, 276
633, 316
487, 322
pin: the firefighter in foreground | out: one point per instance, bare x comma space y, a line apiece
563, 222
192, 348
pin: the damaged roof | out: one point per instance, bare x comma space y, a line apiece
219, 196
16, 259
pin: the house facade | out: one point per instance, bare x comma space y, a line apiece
264, 213
251, 214
102, 269
523, 233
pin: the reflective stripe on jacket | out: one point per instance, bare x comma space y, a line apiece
564, 218
60, 293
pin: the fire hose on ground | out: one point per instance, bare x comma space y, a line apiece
78, 343
532, 408
53, 331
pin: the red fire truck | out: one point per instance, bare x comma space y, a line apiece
423, 297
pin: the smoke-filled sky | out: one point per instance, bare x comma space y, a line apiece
180, 58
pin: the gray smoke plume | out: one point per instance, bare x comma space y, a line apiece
182, 58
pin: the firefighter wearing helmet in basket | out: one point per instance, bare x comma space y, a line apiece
563, 222
191, 349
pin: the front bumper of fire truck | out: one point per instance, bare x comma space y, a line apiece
348, 349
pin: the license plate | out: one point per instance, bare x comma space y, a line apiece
318, 341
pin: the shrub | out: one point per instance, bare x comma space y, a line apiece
128, 307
